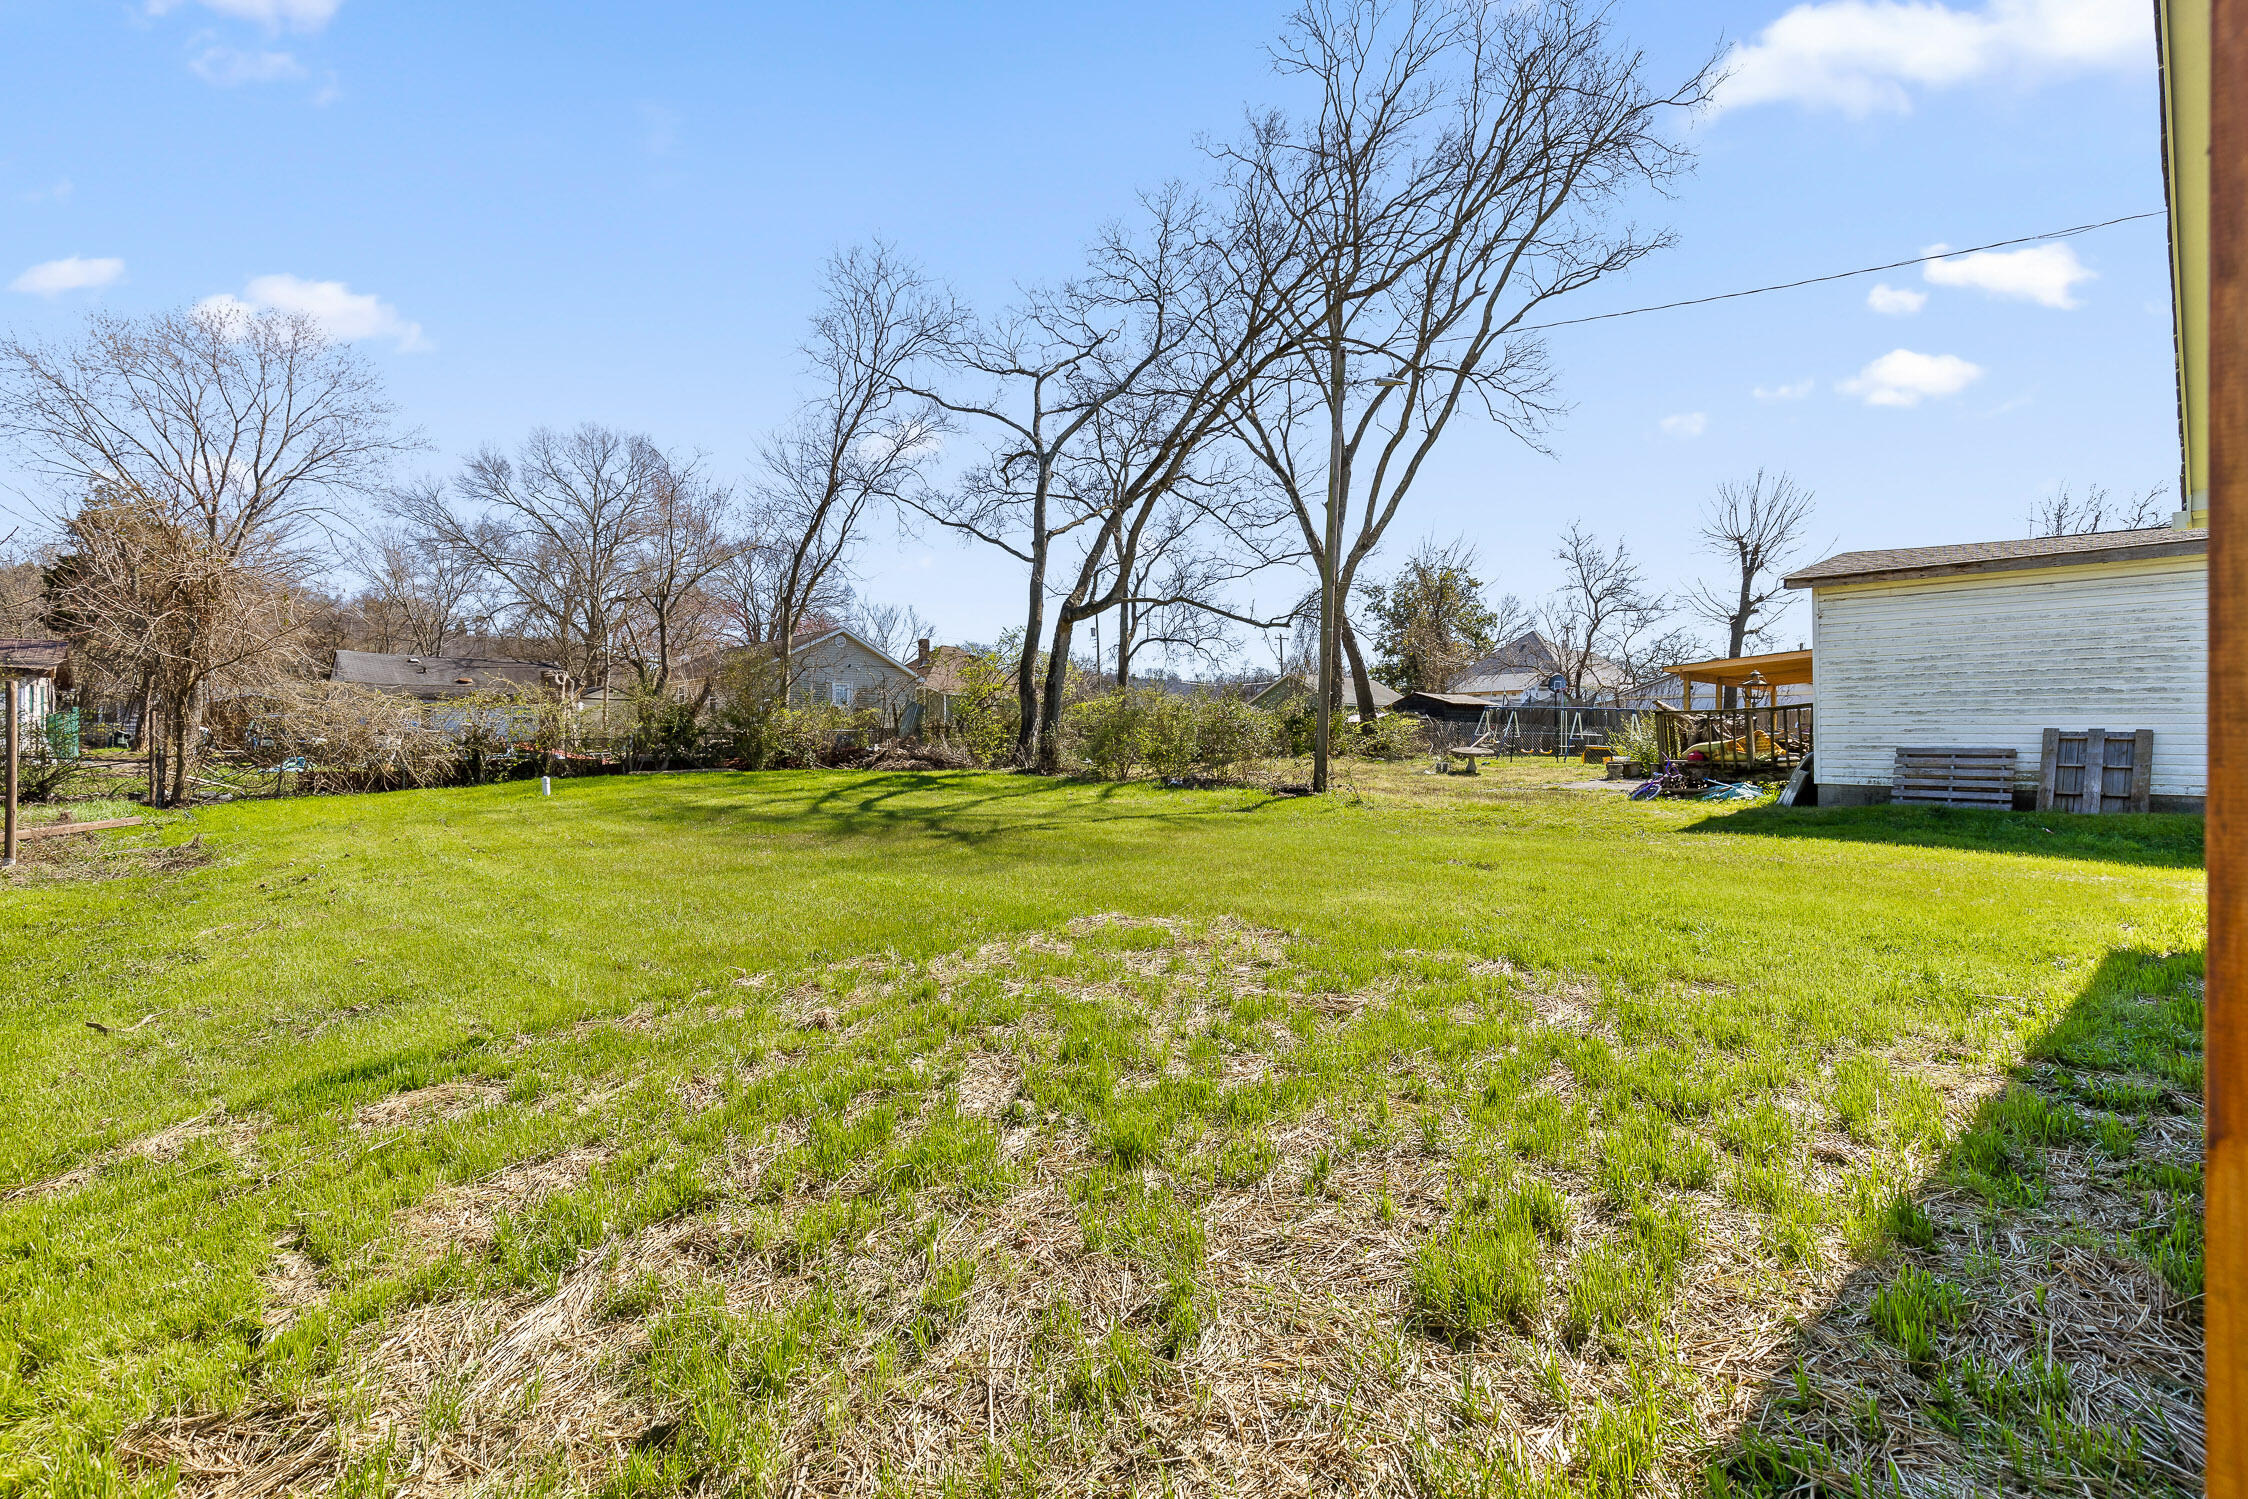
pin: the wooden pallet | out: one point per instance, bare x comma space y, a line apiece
1954, 777
2123, 780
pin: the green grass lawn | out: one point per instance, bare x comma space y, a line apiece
822, 1132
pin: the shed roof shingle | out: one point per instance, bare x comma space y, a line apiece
1994, 556
38, 657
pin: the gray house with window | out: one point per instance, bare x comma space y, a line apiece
843, 669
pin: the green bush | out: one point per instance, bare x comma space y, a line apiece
982, 714
1106, 732
1175, 737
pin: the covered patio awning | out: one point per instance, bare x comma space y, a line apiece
1778, 669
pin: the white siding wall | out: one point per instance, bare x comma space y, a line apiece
1997, 658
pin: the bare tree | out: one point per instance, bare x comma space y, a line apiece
891, 628
1598, 615
1457, 177
862, 439
1756, 527
1037, 376
555, 530
194, 457
1176, 599
2063, 514
685, 541
416, 589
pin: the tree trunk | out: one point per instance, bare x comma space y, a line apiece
152, 742
1057, 683
1737, 637
1338, 491
1361, 683
1124, 646
1026, 687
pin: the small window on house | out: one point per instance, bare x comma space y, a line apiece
839, 693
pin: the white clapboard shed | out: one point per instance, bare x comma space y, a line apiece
1990, 644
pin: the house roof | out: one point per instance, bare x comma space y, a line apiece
946, 669
856, 638
2086, 548
1449, 699
1385, 696
37, 658
1523, 664
1776, 668
439, 676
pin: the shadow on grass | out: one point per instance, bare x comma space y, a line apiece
2037, 1326
969, 807
2163, 839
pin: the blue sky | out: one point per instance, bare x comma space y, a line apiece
551, 213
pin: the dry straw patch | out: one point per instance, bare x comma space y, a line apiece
1223, 1308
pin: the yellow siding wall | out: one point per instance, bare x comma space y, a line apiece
1997, 658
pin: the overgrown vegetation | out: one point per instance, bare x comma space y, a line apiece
997, 1134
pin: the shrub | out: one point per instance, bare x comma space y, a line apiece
1169, 730
1636, 740
1394, 736
981, 714
1106, 732
1230, 734
1176, 737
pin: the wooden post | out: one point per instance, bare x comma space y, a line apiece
8, 835
2225, 1181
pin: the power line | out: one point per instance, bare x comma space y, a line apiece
1894, 265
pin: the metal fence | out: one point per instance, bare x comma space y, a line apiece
1554, 728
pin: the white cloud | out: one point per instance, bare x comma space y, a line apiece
1864, 56
2044, 274
228, 66
274, 15
72, 273
1903, 378
1895, 301
1685, 424
340, 311
1794, 390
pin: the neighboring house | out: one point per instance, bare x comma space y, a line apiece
37, 667
1518, 671
435, 678
1298, 690
1992, 643
843, 669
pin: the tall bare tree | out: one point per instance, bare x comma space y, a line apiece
193, 459
1756, 527
1598, 616
1459, 173
555, 530
686, 539
862, 439
1037, 376
415, 590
